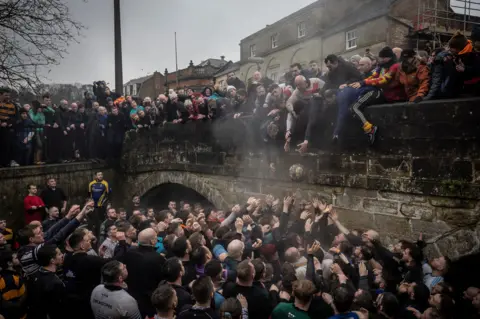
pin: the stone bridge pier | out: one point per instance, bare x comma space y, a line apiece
422, 176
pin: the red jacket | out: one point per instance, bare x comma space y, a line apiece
386, 79
33, 214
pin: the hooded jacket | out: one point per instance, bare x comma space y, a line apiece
385, 78
416, 82
345, 73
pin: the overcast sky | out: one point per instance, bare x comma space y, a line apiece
205, 29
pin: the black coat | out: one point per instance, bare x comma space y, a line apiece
144, 266
53, 117
82, 273
445, 82
46, 296
237, 83
184, 297
345, 73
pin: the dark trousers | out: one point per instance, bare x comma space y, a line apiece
345, 98
54, 144
115, 141
6, 146
97, 146
95, 219
80, 142
67, 145
23, 153
368, 97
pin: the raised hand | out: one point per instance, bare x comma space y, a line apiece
313, 248
308, 225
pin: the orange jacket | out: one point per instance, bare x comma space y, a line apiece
415, 83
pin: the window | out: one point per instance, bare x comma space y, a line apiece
351, 39
274, 77
253, 50
301, 29
274, 41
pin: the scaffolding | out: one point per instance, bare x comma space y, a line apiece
437, 20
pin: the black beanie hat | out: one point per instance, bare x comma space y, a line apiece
408, 53
386, 52
458, 41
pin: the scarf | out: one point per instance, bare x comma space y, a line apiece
467, 49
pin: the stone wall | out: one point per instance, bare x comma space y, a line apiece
421, 176
73, 178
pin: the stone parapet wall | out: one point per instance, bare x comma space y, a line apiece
73, 178
422, 175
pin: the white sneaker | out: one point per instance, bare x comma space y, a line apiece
14, 164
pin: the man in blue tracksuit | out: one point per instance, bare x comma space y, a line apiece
99, 191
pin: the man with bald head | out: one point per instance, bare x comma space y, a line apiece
292, 256
235, 252
144, 266
365, 67
77, 124
256, 80
303, 100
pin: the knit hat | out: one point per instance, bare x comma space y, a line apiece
386, 52
408, 53
230, 87
458, 41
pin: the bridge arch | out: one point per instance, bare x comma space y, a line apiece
145, 183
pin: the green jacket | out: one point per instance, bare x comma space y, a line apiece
288, 310
38, 118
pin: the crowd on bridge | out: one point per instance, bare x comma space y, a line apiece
277, 258
95, 128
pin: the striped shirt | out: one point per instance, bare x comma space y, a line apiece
12, 290
7, 111
27, 255
428, 279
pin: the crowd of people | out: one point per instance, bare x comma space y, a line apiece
278, 258
47, 133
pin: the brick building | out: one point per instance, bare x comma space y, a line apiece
195, 76
343, 27
150, 85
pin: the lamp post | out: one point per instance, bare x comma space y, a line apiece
118, 47
166, 80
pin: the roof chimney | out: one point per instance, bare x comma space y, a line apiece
222, 57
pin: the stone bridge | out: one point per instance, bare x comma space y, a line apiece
422, 176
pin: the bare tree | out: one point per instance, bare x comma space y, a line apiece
34, 34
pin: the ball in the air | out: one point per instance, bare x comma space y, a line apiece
297, 172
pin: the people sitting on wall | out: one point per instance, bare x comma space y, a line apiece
69, 131
380, 86
340, 75
414, 76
